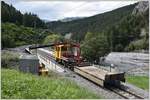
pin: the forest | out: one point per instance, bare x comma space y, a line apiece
10, 14
21, 29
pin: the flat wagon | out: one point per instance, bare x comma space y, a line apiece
99, 76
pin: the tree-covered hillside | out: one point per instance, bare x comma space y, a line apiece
21, 29
95, 24
10, 14
13, 35
130, 34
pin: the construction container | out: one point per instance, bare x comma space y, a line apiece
29, 63
43, 72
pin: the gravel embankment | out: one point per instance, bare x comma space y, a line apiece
131, 63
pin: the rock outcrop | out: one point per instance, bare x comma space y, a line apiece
141, 8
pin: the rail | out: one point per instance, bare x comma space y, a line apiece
126, 94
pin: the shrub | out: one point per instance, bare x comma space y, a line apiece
95, 47
138, 45
7, 58
52, 38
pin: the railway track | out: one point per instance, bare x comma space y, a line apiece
126, 94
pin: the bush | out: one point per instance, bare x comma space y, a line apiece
52, 38
138, 45
130, 47
7, 58
95, 47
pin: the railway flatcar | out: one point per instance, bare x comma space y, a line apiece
100, 76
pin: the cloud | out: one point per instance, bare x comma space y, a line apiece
54, 10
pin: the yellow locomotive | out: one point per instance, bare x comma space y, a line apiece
67, 53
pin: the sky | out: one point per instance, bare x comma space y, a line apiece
55, 10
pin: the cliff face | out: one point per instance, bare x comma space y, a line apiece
141, 8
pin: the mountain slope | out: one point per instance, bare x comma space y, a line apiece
97, 23
17, 28
12, 15
70, 19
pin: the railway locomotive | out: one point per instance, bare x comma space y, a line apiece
68, 54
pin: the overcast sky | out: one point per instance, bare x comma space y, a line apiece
54, 10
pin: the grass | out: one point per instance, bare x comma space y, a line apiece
17, 85
139, 81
